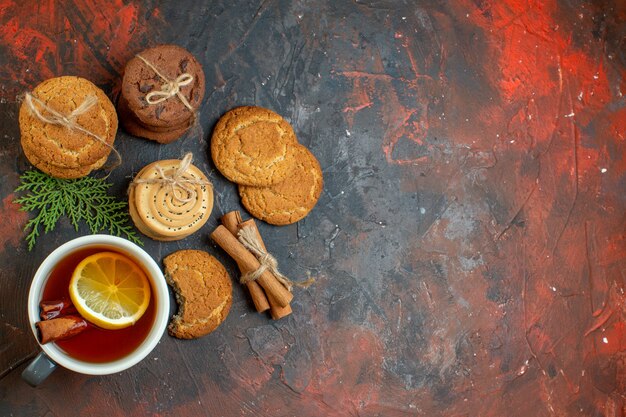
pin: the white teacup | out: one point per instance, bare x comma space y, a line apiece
51, 354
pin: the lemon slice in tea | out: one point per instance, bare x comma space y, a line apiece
110, 290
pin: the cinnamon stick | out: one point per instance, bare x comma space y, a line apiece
61, 328
276, 310
230, 220
54, 308
248, 263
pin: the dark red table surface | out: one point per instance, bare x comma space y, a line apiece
468, 249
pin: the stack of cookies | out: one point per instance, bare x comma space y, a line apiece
279, 180
168, 204
67, 126
162, 89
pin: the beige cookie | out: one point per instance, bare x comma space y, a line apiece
290, 200
164, 210
52, 145
253, 146
139, 224
203, 291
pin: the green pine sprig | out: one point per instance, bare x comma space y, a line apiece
83, 199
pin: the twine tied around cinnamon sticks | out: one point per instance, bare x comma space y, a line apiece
266, 291
68, 121
176, 180
170, 88
248, 238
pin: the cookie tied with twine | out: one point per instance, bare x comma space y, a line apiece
170, 88
68, 126
162, 90
170, 199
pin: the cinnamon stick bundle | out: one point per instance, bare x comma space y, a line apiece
231, 220
276, 310
262, 297
248, 263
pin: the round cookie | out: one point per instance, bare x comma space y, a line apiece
165, 212
139, 79
290, 200
124, 113
134, 215
253, 146
162, 135
203, 291
59, 146
138, 130
58, 172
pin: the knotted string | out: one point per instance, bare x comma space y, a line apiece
68, 121
176, 180
170, 88
248, 238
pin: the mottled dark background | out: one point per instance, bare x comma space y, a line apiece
468, 249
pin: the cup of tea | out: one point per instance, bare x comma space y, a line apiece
96, 350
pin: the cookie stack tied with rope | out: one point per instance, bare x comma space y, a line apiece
279, 180
68, 127
170, 199
162, 89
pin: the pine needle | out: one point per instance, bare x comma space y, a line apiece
84, 199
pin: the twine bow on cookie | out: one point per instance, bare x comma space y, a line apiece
57, 118
170, 88
176, 180
68, 121
248, 238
